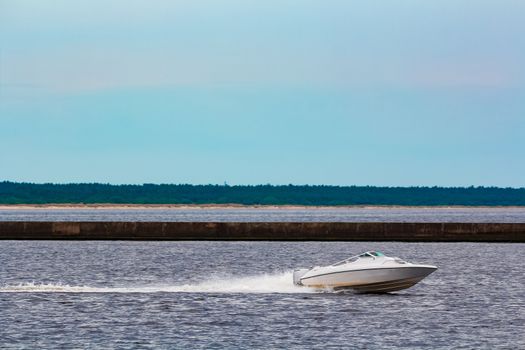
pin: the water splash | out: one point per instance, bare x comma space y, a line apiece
267, 283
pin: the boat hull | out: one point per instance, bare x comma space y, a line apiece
373, 280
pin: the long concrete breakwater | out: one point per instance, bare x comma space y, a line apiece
270, 231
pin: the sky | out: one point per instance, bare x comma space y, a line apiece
339, 92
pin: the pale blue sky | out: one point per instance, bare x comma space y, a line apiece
398, 92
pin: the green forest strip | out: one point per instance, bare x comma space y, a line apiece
95, 193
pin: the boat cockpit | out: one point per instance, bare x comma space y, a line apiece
369, 254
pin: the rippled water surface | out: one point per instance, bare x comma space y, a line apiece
100, 295
349, 214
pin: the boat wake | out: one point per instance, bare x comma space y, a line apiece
267, 283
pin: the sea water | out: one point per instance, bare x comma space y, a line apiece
240, 295
270, 214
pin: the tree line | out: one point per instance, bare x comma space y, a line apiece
91, 193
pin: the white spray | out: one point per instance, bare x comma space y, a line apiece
266, 283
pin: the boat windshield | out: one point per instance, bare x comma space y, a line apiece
370, 254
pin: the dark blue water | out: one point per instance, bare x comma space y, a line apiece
269, 214
239, 295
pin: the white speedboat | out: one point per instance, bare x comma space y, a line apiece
370, 272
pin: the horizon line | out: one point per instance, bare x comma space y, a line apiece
225, 184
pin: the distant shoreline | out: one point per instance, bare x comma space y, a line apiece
110, 206
97, 195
